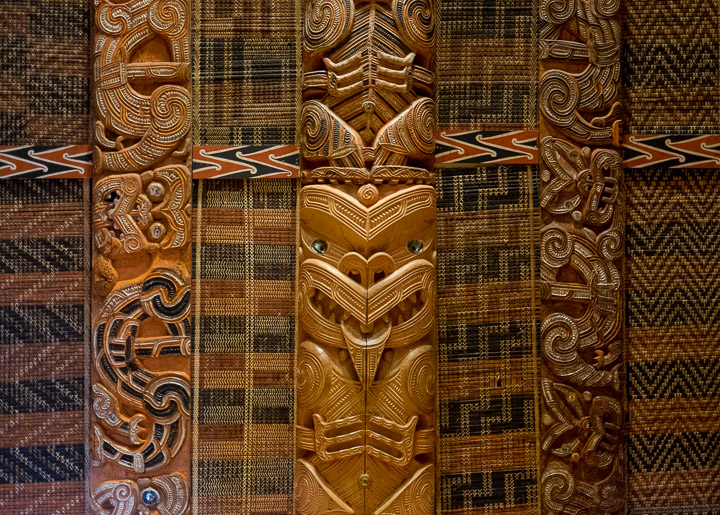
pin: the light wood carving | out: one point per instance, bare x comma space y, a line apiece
140, 374
582, 237
366, 355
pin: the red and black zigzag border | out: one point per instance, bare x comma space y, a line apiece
245, 162
454, 147
31, 162
672, 151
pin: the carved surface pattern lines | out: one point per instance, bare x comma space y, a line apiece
582, 234
366, 356
141, 345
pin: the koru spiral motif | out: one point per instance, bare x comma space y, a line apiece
366, 356
581, 251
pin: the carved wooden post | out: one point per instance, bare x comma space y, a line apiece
582, 236
140, 388
366, 355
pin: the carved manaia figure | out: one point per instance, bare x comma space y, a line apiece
368, 84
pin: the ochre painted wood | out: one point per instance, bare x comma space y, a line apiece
582, 458
366, 355
140, 358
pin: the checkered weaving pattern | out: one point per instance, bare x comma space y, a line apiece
671, 70
487, 64
44, 72
244, 302
673, 341
42, 341
487, 324
244, 72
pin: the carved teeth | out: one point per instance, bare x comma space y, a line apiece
332, 317
386, 318
400, 319
414, 311
345, 315
423, 296
333, 304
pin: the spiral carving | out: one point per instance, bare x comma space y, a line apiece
559, 97
310, 375
556, 247
557, 11
607, 8
416, 22
421, 379
327, 22
306, 490
316, 123
168, 17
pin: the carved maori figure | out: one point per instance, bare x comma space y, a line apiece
366, 356
582, 233
140, 381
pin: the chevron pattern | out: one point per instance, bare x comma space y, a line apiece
30, 162
42, 339
673, 345
670, 67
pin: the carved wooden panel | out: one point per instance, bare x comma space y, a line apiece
582, 236
366, 355
140, 373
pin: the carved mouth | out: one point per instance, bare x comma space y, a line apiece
408, 308
402, 313
326, 307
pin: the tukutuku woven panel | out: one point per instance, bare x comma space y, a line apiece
244, 72
43, 229
671, 70
487, 323
45, 72
673, 341
487, 64
244, 267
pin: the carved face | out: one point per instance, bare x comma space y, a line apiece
366, 362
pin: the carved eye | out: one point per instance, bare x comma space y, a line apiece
112, 197
416, 246
150, 497
319, 246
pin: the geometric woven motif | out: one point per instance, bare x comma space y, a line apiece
43, 315
244, 322
487, 326
45, 72
673, 340
671, 69
244, 72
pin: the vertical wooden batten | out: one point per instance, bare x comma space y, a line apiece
366, 352
141, 234
582, 462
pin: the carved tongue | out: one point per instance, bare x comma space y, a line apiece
366, 349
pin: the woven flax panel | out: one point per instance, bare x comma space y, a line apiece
487, 64
671, 70
42, 340
44, 72
673, 341
244, 265
486, 333
244, 72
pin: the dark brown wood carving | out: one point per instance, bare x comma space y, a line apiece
366, 354
140, 373
582, 236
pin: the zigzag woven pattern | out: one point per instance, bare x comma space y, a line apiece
486, 338
673, 340
671, 69
42, 339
